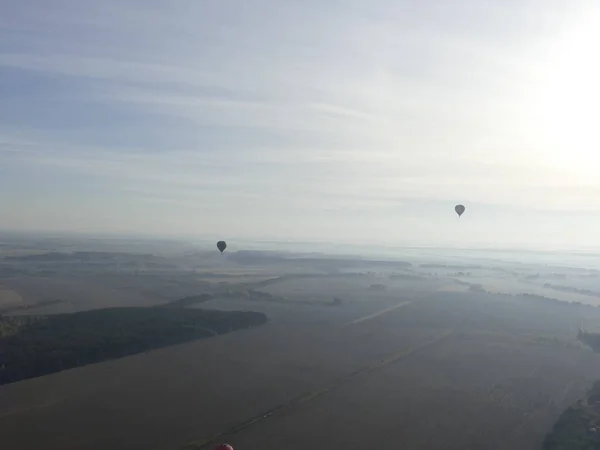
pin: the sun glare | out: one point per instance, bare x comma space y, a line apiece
568, 100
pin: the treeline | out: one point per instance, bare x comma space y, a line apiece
450, 266
547, 300
50, 344
79, 256
590, 339
404, 276
307, 260
578, 428
188, 301
572, 290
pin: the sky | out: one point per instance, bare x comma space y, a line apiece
357, 121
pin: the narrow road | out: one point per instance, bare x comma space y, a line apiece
378, 313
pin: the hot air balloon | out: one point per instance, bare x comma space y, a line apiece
460, 209
221, 245
224, 447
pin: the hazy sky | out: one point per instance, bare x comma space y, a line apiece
362, 120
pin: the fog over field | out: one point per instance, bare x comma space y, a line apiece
430, 348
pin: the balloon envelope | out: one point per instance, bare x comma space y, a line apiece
221, 245
460, 209
224, 447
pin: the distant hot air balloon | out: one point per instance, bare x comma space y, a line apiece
221, 245
224, 447
460, 209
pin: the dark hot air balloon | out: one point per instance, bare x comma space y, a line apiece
460, 209
224, 447
221, 245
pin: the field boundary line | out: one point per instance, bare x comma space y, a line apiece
378, 313
304, 398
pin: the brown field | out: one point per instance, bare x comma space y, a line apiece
9, 297
350, 289
449, 371
448, 396
516, 287
75, 293
90, 291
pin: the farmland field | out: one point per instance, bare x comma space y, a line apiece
365, 356
9, 297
